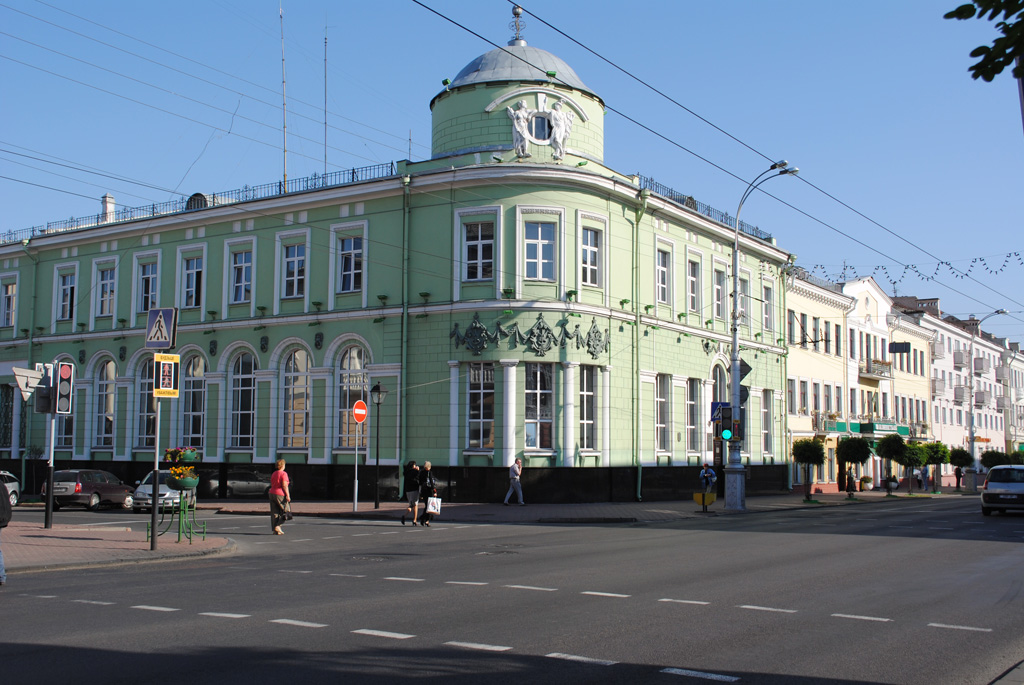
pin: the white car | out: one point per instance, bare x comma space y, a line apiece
1003, 490
167, 496
13, 486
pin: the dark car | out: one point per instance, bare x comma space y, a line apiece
239, 483
89, 488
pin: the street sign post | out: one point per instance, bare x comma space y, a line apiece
359, 414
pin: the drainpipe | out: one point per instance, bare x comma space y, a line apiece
645, 194
31, 348
787, 437
403, 396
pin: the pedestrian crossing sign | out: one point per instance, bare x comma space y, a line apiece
161, 328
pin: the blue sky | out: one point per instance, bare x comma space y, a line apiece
872, 100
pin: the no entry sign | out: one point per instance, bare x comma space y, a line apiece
359, 411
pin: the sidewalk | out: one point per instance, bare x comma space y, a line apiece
30, 547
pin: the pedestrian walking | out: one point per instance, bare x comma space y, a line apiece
411, 476
958, 473
5, 518
428, 488
515, 473
708, 478
850, 482
280, 497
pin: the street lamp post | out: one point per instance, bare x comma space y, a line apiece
377, 396
972, 472
735, 485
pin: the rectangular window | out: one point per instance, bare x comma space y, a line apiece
828, 338
744, 303
243, 402
816, 331
241, 276
767, 422
147, 286
539, 406
693, 414
294, 270
662, 425
105, 292
769, 308
885, 404
590, 258
296, 409
540, 251
193, 403
839, 400
853, 344
193, 276
803, 331
828, 398
816, 396
692, 286
146, 408
791, 327
791, 395
839, 340
65, 432
588, 406
66, 289
661, 275
350, 262
479, 251
8, 302
853, 402
481, 406
803, 398
719, 294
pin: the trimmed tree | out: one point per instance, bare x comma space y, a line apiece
958, 456
809, 453
994, 458
894, 448
853, 450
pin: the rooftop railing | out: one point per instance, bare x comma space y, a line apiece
689, 202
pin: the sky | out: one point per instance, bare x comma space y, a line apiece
910, 171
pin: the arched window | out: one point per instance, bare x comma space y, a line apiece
243, 401
147, 407
106, 375
296, 400
352, 386
193, 402
721, 389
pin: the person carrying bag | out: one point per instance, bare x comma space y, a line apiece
428, 491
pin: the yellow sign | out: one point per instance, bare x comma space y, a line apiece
165, 375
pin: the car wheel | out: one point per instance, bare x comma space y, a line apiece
14, 499
94, 502
128, 502
56, 505
985, 511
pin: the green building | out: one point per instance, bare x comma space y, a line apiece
516, 297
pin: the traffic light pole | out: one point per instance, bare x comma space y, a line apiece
48, 516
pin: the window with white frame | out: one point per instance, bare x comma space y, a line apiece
479, 246
350, 264
662, 416
295, 382
8, 301
243, 401
693, 386
791, 327
480, 395
662, 276
791, 395
241, 276
147, 286
803, 398
193, 402
719, 294
839, 400
294, 273
588, 406
590, 257
106, 375
540, 251
539, 416
744, 302
65, 425
192, 281
767, 422
693, 286
105, 291
66, 293
352, 387
815, 331
147, 407
721, 385
768, 302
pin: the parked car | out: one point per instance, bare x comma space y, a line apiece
143, 497
239, 483
90, 488
1003, 490
13, 486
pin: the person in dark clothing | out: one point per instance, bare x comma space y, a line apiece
411, 477
5, 518
959, 473
428, 488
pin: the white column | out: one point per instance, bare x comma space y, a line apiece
453, 413
606, 416
569, 413
703, 422
508, 429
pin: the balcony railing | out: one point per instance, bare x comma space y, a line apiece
938, 386
701, 208
938, 351
960, 358
876, 368
982, 397
982, 365
961, 393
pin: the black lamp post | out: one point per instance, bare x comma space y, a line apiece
377, 396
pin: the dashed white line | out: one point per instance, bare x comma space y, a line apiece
531, 587
943, 625
941, 529
406, 580
757, 608
603, 594
44, 596
147, 607
93, 601
863, 618
700, 674
477, 645
218, 614
335, 537
300, 624
361, 535
348, 575
685, 601
301, 540
390, 532
581, 659
288, 570
383, 633
463, 582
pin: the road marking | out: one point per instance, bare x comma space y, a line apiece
581, 659
348, 575
477, 645
603, 594
288, 570
362, 535
335, 537
941, 529
255, 526
93, 601
147, 607
685, 601
463, 526
390, 532
700, 674
231, 528
217, 614
407, 580
44, 596
383, 633
531, 587
463, 582
268, 542
943, 625
301, 540
300, 624
757, 608
862, 618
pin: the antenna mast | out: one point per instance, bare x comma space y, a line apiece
284, 101
325, 99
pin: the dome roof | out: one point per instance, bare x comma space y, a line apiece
518, 62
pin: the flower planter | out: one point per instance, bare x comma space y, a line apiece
188, 455
182, 483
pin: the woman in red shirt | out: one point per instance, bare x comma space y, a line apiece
279, 497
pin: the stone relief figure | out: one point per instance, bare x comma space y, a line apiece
561, 126
520, 117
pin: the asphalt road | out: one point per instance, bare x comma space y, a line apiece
916, 592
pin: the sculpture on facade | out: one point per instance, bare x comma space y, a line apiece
520, 117
561, 126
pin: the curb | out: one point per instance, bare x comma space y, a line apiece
230, 547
